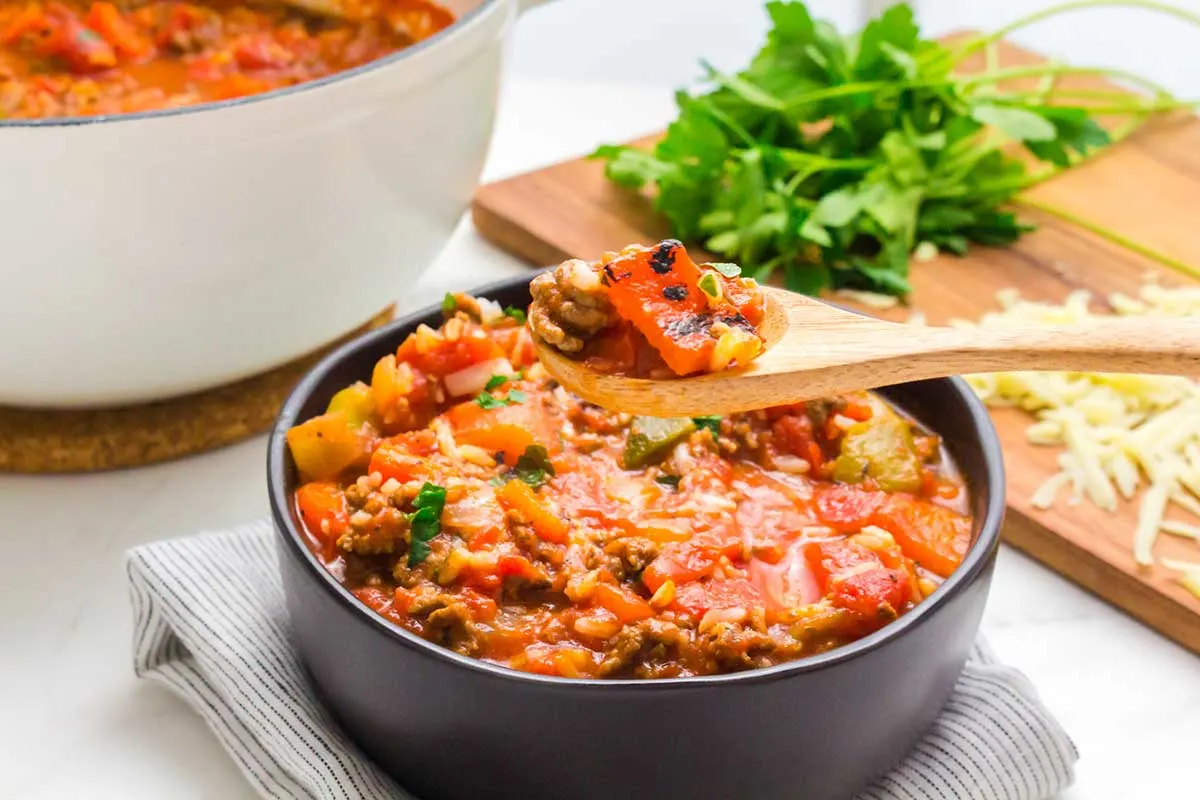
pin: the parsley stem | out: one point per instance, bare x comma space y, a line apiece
1141, 108
1109, 234
1059, 69
1062, 8
858, 87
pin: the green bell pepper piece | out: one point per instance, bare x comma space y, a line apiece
651, 439
881, 448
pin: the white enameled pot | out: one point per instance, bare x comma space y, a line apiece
155, 254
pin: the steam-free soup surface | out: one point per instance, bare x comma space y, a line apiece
465, 496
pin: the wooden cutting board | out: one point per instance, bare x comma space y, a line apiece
1147, 188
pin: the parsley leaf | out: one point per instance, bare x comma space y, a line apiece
712, 422
449, 304
516, 313
426, 522
533, 466
488, 402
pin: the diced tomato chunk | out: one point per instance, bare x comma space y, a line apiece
402, 457
437, 355
106, 20
614, 350
393, 605
854, 577
508, 429
483, 608
681, 564
697, 598
519, 566
261, 51
846, 508
793, 435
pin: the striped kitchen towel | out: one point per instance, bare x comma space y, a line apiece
210, 624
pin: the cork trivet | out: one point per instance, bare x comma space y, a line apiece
92, 440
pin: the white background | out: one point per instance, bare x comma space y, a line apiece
75, 723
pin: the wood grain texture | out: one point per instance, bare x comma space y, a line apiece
1147, 188
815, 350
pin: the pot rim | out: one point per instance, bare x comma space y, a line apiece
452, 31
978, 557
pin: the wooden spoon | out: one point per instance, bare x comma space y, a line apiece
817, 350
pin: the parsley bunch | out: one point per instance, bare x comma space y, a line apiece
833, 158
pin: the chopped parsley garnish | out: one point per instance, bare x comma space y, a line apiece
425, 522
669, 480
487, 401
449, 304
495, 382
728, 270
712, 422
515, 313
533, 466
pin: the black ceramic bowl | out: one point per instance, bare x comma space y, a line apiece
447, 726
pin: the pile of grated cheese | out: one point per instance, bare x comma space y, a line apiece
1119, 432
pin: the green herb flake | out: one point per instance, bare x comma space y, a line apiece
488, 402
426, 522
709, 284
712, 422
725, 268
516, 313
533, 466
669, 480
449, 304
516, 396
495, 382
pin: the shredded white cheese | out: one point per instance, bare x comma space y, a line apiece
1189, 577
1121, 433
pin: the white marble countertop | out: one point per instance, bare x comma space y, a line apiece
77, 724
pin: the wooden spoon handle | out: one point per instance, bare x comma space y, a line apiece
852, 353
1118, 344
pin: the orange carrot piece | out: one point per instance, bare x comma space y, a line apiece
625, 606
508, 429
322, 508
935, 537
517, 496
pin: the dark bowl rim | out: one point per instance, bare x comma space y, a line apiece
978, 557
449, 32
